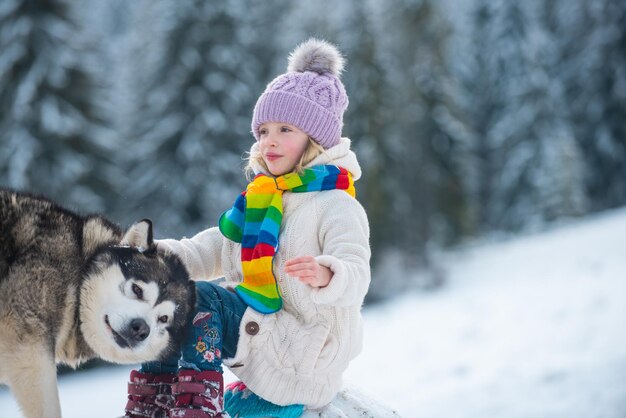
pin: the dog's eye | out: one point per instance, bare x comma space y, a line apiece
163, 319
137, 291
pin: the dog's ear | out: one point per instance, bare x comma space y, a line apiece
139, 235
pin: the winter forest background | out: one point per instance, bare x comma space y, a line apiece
470, 118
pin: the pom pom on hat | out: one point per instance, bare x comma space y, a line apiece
318, 56
309, 95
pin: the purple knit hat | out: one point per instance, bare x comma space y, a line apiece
309, 95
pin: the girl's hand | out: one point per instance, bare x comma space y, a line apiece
308, 271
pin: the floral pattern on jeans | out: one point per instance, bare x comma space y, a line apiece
207, 337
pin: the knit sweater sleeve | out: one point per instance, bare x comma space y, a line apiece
344, 236
201, 254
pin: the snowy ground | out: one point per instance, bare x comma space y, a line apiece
534, 327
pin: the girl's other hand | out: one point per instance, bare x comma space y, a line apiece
308, 271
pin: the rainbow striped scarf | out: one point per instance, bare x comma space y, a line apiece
255, 219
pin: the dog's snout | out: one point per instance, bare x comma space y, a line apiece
139, 330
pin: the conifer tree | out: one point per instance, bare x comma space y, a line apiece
521, 137
50, 129
188, 123
593, 68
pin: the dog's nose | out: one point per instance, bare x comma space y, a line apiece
139, 330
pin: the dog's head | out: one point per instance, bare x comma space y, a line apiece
136, 300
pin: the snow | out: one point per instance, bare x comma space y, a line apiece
533, 327
529, 327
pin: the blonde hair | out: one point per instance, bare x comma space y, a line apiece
312, 151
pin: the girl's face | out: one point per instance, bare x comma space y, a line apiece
281, 146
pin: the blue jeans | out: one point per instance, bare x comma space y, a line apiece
212, 335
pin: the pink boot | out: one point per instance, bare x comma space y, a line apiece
149, 395
198, 395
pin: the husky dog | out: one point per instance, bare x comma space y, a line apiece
74, 288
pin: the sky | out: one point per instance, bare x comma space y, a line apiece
528, 327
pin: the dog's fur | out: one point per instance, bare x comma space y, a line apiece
74, 288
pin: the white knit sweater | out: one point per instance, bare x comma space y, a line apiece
298, 354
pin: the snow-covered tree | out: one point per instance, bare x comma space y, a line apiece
521, 137
415, 141
593, 67
188, 124
50, 128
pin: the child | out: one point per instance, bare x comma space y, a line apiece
294, 252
